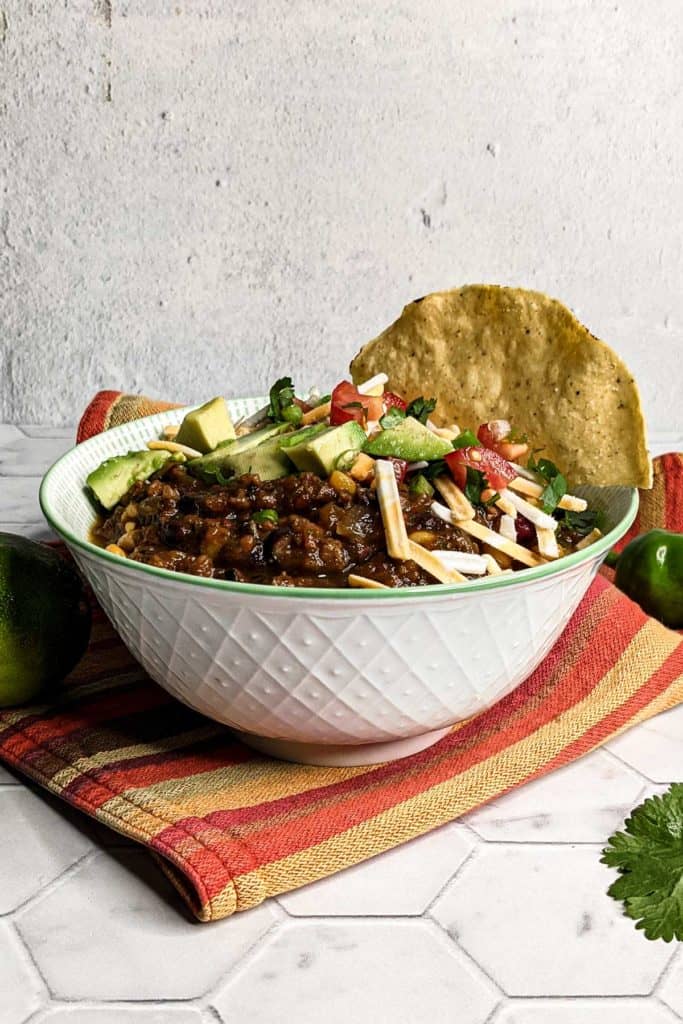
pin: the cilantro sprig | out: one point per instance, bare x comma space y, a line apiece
282, 407
556, 483
420, 408
648, 855
392, 417
475, 483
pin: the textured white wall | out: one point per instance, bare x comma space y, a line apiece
198, 195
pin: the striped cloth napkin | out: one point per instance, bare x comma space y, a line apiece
231, 827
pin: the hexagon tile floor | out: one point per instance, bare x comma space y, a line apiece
501, 918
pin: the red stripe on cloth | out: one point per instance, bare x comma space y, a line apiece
95, 417
672, 465
105, 707
186, 762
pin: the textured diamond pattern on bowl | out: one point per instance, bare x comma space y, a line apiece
338, 674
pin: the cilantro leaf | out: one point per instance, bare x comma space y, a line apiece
649, 858
476, 483
282, 408
434, 469
556, 483
580, 524
392, 417
466, 439
420, 408
553, 493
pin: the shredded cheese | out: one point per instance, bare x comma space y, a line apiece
320, 412
534, 490
389, 500
413, 467
589, 539
490, 537
171, 432
462, 561
447, 433
374, 386
506, 527
533, 514
506, 506
492, 567
428, 561
173, 446
454, 498
547, 543
363, 583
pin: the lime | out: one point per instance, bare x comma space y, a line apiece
44, 618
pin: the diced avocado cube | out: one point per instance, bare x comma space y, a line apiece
215, 464
205, 428
333, 448
115, 476
410, 440
266, 460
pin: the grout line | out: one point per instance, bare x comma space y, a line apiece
50, 886
28, 952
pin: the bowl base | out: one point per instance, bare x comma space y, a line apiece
340, 755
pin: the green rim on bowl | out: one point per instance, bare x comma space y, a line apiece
522, 576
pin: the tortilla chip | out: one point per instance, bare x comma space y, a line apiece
488, 352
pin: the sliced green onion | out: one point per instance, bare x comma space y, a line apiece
265, 515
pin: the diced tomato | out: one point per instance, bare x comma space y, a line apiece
392, 401
400, 468
493, 435
497, 471
349, 404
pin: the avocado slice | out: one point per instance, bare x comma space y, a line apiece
268, 460
333, 448
213, 465
410, 440
205, 428
115, 476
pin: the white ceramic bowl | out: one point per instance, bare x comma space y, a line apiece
324, 676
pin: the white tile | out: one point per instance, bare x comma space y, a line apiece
671, 989
47, 431
398, 971
401, 881
37, 844
20, 987
584, 802
19, 499
539, 920
28, 456
586, 1011
9, 434
166, 1014
119, 909
655, 748
34, 531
